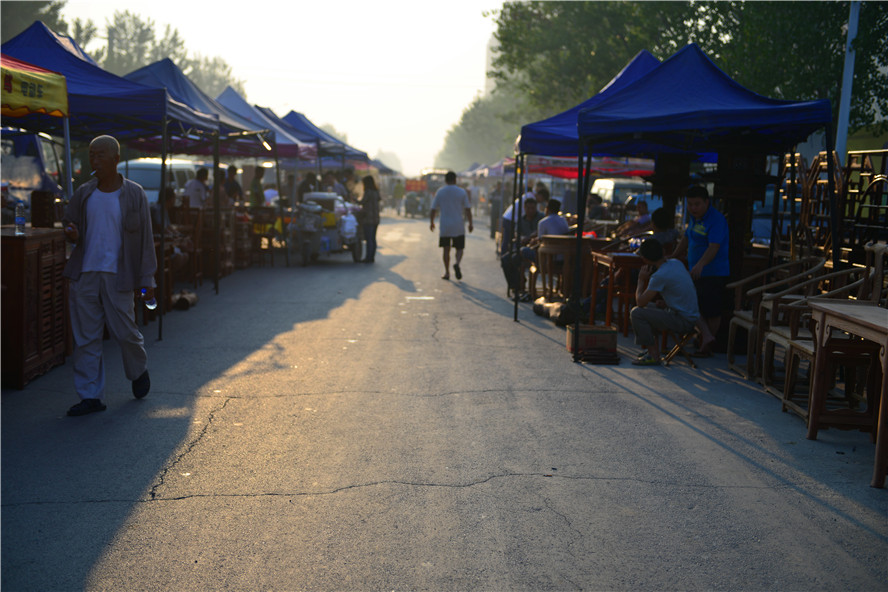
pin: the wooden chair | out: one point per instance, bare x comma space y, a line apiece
858, 358
748, 293
787, 329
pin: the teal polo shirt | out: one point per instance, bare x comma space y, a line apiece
711, 228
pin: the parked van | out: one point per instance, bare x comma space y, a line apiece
30, 162
617, 191
146, 172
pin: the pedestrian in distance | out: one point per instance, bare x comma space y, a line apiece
452, 202
109, 222
257, 191
370, 217
233, 190
196, 190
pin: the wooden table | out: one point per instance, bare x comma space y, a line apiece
623, 287
865, 320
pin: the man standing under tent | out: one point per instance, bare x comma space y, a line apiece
451, 201
706, 244
109, 222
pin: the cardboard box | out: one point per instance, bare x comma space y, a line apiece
593, 337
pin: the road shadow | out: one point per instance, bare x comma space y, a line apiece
70, 484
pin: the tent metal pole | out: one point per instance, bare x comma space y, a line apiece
217, 214
161, 306
582, 192
277, 180
516, 235
835, 221
69, 183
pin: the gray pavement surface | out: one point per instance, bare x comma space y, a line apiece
373, 427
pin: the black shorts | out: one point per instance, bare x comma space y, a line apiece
711, 295
457, 242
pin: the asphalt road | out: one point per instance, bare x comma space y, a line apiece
373, 427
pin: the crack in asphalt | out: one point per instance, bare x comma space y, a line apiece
161, 479
153, 497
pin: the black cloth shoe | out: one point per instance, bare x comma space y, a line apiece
457, 271
141, 385
86, 406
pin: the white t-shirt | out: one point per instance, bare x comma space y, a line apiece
451, 202
103, 239
507, 215
553, 224
196, 192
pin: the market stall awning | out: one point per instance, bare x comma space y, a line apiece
101, 102
558, 135
29, 89
688, 105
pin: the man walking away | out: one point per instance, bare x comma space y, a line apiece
452, 202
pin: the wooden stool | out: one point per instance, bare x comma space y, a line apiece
680, 342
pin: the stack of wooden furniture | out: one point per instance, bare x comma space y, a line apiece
33, 300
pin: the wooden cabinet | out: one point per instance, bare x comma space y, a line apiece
33, 303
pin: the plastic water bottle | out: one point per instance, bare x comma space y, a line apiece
149, 304
19, 218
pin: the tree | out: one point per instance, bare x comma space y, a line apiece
485, 133
560, 53
557, 54
17, 16
133, 44
390, 159
796, 51
341, 136
212, 75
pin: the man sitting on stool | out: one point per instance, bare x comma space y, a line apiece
676, 310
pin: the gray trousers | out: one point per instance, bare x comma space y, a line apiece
95, 302
649, 321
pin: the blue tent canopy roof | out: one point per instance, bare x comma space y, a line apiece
557, 135
99, 101
328, 142
166, 74
288, 146
689, 105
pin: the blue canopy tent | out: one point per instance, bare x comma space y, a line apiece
558, 135
331, 144
237, 135
101, 102
689, 106
232, 127
288, 145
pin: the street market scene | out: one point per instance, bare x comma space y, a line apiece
621, 325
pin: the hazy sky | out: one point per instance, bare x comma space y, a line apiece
393, 75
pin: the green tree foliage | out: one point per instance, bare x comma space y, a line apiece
560, 53
17, 16
486, 131
132, 42
211, 75
341, 136
796, 51
554, 55
390, 159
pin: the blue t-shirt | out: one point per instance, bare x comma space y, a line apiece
711, 228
